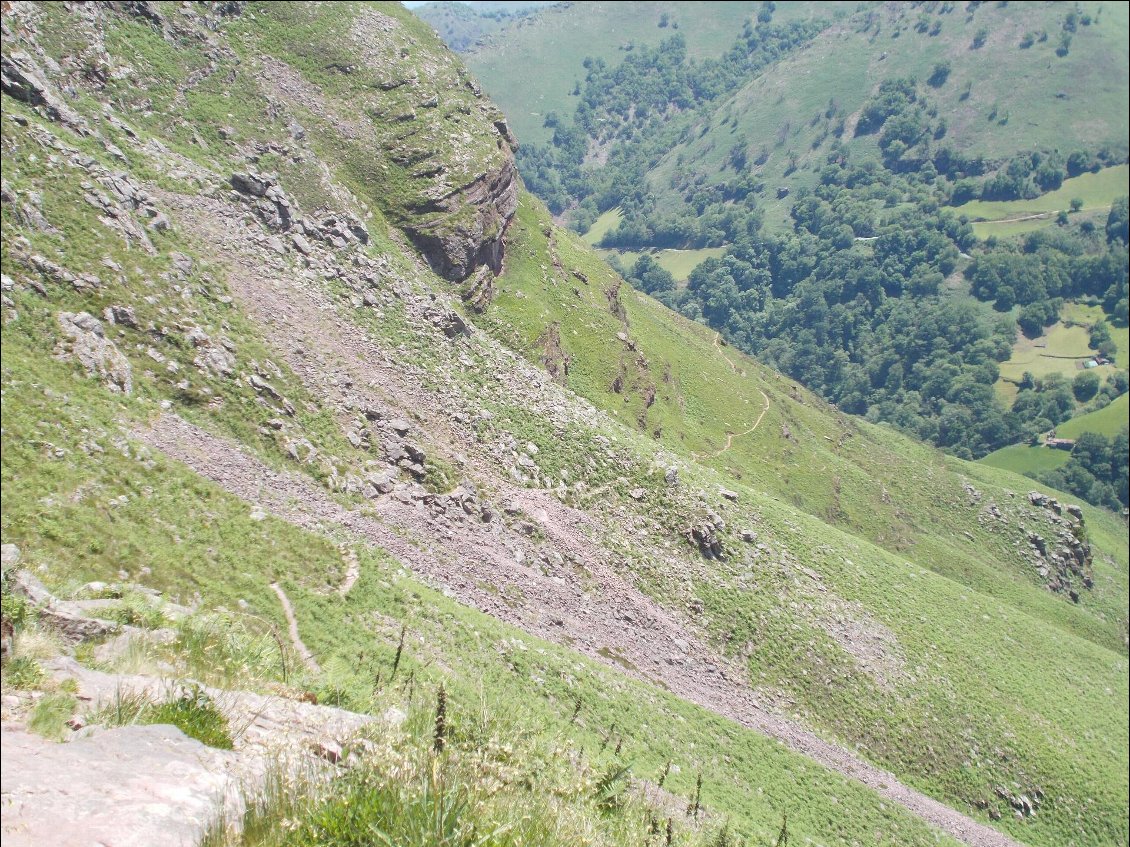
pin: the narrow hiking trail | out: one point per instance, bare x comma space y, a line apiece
730, 436
292, 625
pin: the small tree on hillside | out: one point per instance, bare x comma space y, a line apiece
940, 74
1085, 386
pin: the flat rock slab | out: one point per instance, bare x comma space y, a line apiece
262, 725
137, 786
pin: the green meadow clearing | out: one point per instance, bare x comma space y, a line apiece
1004, 218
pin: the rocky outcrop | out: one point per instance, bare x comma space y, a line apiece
86, 342
468, 231
22, 79
478, 290
1062, 555
704, 534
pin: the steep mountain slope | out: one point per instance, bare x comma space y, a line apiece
813, 189
230, 371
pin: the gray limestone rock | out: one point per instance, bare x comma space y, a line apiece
86, 342
135, 786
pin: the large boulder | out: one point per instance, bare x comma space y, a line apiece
85, 341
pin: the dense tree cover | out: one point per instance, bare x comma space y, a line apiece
1051, 265
864, 322
1097, 470
647, 276
853, 304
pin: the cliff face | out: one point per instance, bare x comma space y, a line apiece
467, 227
458, 185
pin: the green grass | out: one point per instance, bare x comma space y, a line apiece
1007, 217
494, 787
679, 263
1026, 459
192, 711
1061, 351
602, 226
50, 714
22, 673
1108, 421
1096, 190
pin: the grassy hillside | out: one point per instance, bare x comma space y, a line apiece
824, 157
997, 99
864, 485
227, 557
530, 70
863, 585
1024, 458
1108, 421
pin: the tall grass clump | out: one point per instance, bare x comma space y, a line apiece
446, 777
192, 711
